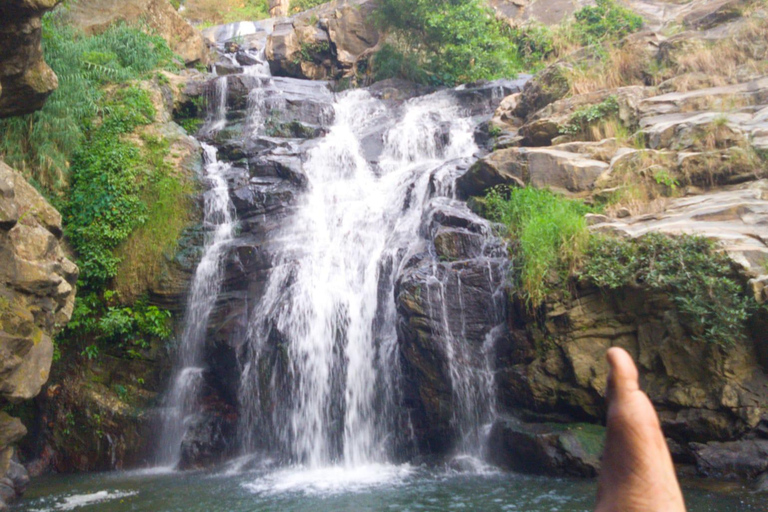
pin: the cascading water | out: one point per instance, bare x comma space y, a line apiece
329, 302
319, 350
182, 399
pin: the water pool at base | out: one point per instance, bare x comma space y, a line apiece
373, 488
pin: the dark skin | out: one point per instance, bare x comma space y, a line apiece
637, 474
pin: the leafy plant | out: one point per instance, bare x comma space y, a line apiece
548, 231
453, 41
104, 206
535, 44
587, 116
96, 322
42, 145
605, 21
700, 280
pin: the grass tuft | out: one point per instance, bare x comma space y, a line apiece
550, 231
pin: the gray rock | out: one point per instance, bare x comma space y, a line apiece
735, 459
547, 448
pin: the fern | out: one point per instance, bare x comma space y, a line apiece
41, 145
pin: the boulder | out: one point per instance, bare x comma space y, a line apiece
563, 171
550, 449
37, 295
503, 167
744, 459
26, 81
323, 43
546, 87
95, 16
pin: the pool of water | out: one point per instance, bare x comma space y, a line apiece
373, 488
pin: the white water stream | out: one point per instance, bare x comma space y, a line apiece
182, 399
329, 298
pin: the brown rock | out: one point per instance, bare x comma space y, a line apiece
95, 16
26, 81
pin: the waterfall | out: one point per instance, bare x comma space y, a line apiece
182, 400
330, 225
330, 396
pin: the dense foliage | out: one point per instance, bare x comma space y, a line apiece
42, 144
549, 232
454, 41
104, 206
82, 150
699, 279
606, 20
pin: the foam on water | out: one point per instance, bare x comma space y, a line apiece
330, 480
81, 500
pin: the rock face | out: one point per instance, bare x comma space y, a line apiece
703, 392
323, 43
279, 7
37, 296
25, 79
681, 154
449, 302
94, 16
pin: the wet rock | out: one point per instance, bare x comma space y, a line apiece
732, 460
227, 68
447, 308
547, 448
205, 442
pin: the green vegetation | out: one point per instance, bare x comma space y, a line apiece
536, 44
550, 233
700, 280
95, 322
585, 117
42, 144
250, 10
605, 21
104, 206
89, 151
314, 52
303, 5
389, 62
453, 41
